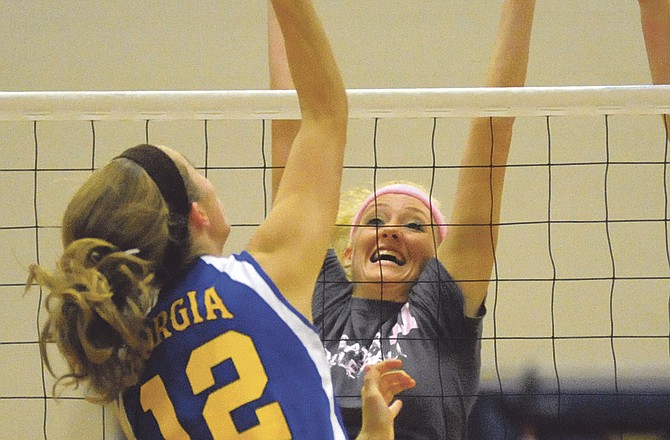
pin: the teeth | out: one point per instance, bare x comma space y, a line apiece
387, 256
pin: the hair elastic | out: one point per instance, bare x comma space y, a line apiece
437, 217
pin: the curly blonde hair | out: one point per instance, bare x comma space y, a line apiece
115, 232
98, 298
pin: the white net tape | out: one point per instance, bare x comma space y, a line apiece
364, 103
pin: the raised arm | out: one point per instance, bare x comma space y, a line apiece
283, 131
292, 241
655, 19
468, 251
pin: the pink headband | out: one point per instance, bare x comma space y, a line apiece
408, 190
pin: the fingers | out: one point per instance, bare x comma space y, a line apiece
371, 379
395, 408
381, 383
387, 377
395, 382
386, 365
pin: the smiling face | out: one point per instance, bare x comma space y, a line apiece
393, 244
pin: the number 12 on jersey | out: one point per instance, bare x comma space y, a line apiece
240, 349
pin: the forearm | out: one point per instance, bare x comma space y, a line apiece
283, 130
315, 77
468, 250
507, 67
311, 62
318, 146
280, 75
655, 18
508, 62
303, 214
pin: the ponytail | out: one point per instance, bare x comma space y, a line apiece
97, 302
100, 294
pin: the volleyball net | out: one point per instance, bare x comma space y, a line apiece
579, 303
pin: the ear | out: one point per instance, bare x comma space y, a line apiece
197, 217
346, 257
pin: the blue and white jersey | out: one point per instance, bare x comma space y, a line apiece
233, 359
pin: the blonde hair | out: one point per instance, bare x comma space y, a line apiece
98, 298
115, 232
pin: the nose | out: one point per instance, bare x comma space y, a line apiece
390, 232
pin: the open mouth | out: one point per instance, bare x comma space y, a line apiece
387, 256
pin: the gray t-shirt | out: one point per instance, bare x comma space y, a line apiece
439, 346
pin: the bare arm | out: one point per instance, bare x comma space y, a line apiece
384, 380
283, 131
655, 19
468, 251
292, 241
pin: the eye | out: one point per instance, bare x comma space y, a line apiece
415, 226
376, 221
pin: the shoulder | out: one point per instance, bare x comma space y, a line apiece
438, 295
332, 267
331, 292
227, 277
242, 267
227, 263
435, 277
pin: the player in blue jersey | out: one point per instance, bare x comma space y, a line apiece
398, 286
191, 344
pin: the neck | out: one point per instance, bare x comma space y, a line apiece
393, 292
203, 245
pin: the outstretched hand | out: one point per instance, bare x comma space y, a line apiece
382, 382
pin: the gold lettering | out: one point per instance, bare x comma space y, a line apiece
160, 326
179, 324
194, 307
213, 302
150, 336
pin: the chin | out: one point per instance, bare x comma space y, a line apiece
370, 272
370, 287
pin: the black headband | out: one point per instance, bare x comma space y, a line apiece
165, 174
163, 171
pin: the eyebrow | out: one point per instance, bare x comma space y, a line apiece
423, 210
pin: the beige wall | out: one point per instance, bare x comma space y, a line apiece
166, 45
169, 45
